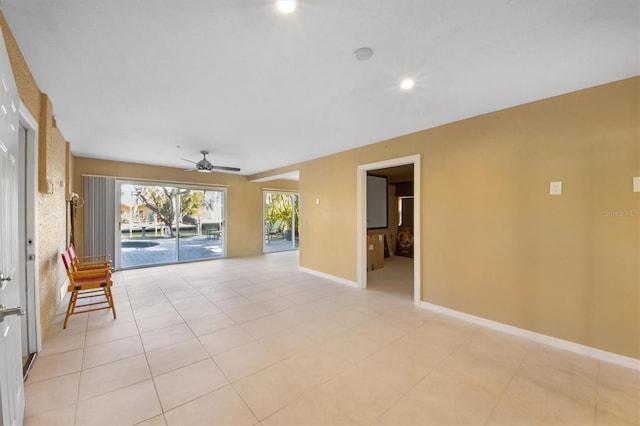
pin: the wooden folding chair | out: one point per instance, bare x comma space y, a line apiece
88, 284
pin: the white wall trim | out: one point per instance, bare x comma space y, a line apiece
64, 289
566, 345
329, 277
29, 256
294, 175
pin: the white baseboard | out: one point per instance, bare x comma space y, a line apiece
598, 354
329, 277
63, 289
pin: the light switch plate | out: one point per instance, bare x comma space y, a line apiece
636, 184
555, 188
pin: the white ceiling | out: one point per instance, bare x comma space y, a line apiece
132, 80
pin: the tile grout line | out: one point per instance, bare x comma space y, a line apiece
427, 374
144, 351
508, 384
596, 407
84, 345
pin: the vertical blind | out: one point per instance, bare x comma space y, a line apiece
100, 215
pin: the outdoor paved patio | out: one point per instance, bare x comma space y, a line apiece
139, 252
157, 251
278, 245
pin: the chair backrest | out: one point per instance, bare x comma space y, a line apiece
66, 260
102, 273
276, 226
98, 261
72, 252
73, 259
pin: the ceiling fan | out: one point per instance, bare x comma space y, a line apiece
205, 165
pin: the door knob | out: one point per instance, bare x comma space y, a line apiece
10, 311
3, 278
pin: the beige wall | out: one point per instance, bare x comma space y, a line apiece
497, 245
52, 226
494, 242
52, 168
244, 198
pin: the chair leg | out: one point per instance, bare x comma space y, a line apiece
109, 295
71, 307
92, 294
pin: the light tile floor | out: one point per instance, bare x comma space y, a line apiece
255, 341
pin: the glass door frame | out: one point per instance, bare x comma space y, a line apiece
294, 220
178, 186
223, 220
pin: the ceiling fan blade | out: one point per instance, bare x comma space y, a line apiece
185, 159
231, 169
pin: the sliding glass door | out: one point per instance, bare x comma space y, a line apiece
202, 227
162, 224
281, 210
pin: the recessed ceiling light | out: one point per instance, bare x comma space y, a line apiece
407, 84
363, 53
286, 6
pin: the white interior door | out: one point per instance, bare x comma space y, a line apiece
11, 382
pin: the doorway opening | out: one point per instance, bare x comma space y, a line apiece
281, 221
162, 224
406, 240
390, 260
